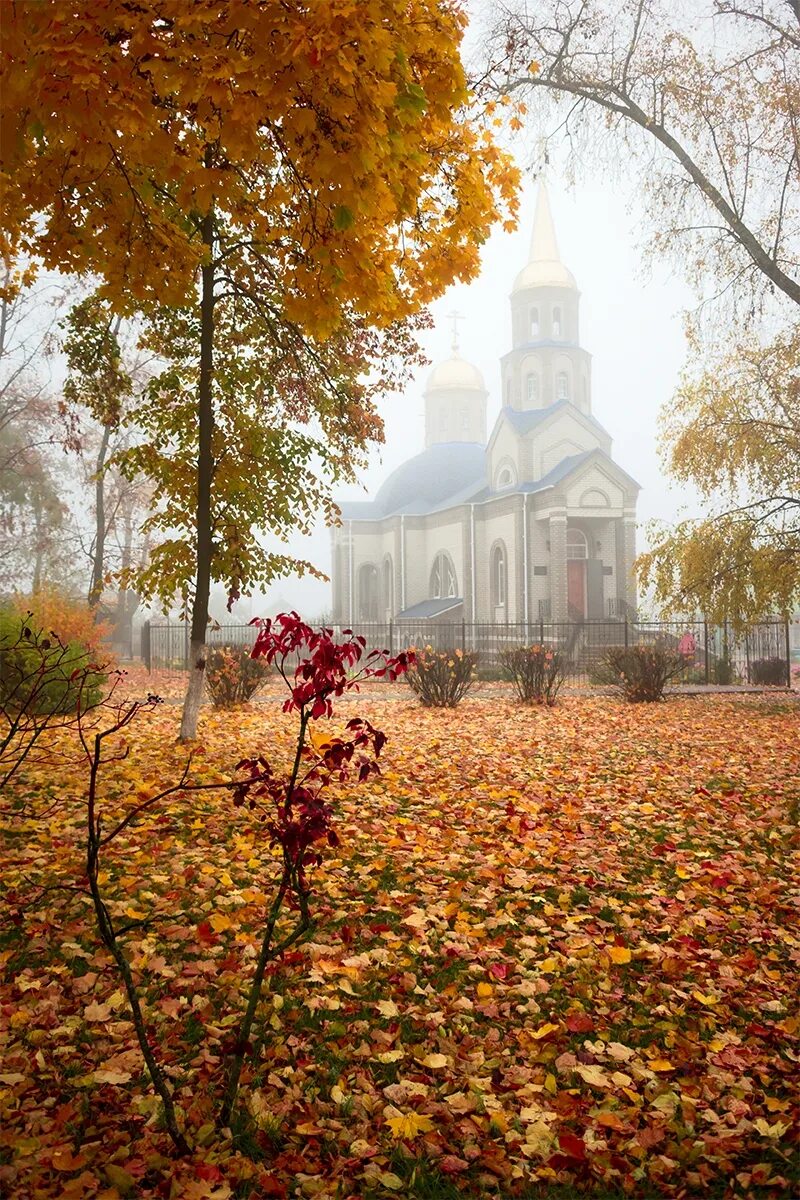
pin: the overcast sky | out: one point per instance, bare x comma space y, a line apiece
630, 323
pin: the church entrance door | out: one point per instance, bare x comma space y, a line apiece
576, 587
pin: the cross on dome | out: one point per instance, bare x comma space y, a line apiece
455, 317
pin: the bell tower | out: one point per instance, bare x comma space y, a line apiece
546, 363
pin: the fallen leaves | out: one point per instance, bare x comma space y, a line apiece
580, 987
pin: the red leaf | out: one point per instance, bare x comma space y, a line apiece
572, 1146
579, 1023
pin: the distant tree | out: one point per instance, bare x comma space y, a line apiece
734, 433
702, 104
315, 162
33, 507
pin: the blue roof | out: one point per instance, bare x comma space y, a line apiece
528, 419
430, 608
446, 472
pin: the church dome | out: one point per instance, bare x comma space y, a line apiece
455, 373
427, 480
546, 273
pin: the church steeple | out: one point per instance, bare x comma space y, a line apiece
546, 364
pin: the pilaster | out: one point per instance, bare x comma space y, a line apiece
558, 564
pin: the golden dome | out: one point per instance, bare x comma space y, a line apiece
455, 373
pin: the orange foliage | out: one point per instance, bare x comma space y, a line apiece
55, 612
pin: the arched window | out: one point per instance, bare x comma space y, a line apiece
388, 585
532, 387
556, 322
562, 386
367, 593
444, 584
499, 579
534, 327
506, 477
464, 420
577, 546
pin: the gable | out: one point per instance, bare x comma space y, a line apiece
593, 492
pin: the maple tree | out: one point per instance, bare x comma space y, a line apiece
318, 162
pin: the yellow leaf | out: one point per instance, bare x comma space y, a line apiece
485, 990
389, 1056
390, 1180
435, 1060
387, 1008
703, 999
547, 966
660, 1064
408, 1125
551, 1084
619, 954
544, 1030
220, 922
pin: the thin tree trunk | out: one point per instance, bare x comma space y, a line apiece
205, 471
98, 561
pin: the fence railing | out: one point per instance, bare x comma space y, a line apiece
711, 654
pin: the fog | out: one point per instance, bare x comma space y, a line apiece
631, 324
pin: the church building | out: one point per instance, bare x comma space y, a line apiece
535, 524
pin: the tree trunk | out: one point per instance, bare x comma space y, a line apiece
98, 561
205, 471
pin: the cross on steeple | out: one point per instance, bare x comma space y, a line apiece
455, 317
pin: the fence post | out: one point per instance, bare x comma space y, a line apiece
705, 643
541, 630
146, 652
626, 631
788, 647
186, 642
391, 637
463, 634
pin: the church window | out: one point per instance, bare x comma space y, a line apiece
556, 322
388, 586
367, 593
444, 584
534, 322
562, 386
506, 477
464, 421
577, 546
532, 387
499, 581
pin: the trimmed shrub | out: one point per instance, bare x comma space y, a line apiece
42, 675
770, 671
442, 678
536, 671
640, 673
232, 676
723, 672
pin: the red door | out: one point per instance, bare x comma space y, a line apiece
576, 586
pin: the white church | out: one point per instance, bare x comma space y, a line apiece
537, 523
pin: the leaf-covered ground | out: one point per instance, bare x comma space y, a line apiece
555, 950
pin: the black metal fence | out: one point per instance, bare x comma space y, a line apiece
711, 654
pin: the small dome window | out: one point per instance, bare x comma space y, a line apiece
534, 323
556, 322
562, 386
532, 387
